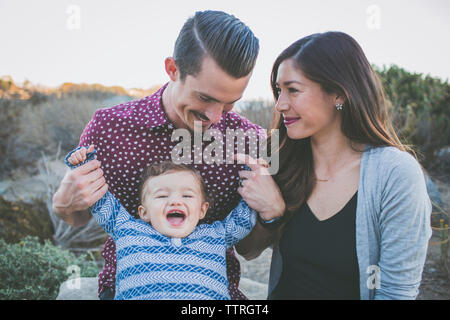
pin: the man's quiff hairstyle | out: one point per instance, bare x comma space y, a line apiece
222, 36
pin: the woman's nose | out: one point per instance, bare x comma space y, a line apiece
282, 103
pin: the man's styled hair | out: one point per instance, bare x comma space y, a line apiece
222, 36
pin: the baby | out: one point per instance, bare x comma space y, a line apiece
165, 254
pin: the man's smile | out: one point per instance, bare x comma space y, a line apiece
203, 118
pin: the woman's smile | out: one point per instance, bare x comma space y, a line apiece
290, 120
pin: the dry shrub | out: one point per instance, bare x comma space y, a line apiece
54, 122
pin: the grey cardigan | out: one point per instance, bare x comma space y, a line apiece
392, 226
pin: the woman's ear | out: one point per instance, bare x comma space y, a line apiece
203, 209
339, 100
171, 68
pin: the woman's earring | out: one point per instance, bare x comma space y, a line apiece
339, 106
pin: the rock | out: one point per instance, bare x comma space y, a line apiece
436, 201
79, 289
433, 192
252, 289
4, 186
86, 289
30, 188
443, 159
257, 269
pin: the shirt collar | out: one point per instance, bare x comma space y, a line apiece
156, 115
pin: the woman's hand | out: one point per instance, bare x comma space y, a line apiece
259, 189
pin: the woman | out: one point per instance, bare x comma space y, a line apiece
357, 218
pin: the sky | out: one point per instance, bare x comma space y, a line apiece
125, 42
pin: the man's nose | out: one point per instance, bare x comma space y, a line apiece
214, 114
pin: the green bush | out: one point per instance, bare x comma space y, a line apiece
419, 111
31, 270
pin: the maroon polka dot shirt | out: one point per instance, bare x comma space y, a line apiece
130, 136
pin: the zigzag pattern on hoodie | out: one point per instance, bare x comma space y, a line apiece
152, 266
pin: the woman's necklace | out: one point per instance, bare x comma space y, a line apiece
336, 169
323, 180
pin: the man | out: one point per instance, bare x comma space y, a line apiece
213, 59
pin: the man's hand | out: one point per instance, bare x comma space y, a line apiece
79, 189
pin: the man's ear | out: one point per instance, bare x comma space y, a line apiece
203, 209
171, 68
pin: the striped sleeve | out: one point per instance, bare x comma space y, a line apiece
107, 211
238, 224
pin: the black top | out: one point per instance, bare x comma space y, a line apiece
319, 257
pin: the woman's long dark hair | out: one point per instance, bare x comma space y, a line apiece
337, 63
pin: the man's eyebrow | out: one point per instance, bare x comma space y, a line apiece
206, 96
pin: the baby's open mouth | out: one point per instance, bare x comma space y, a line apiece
176, 217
